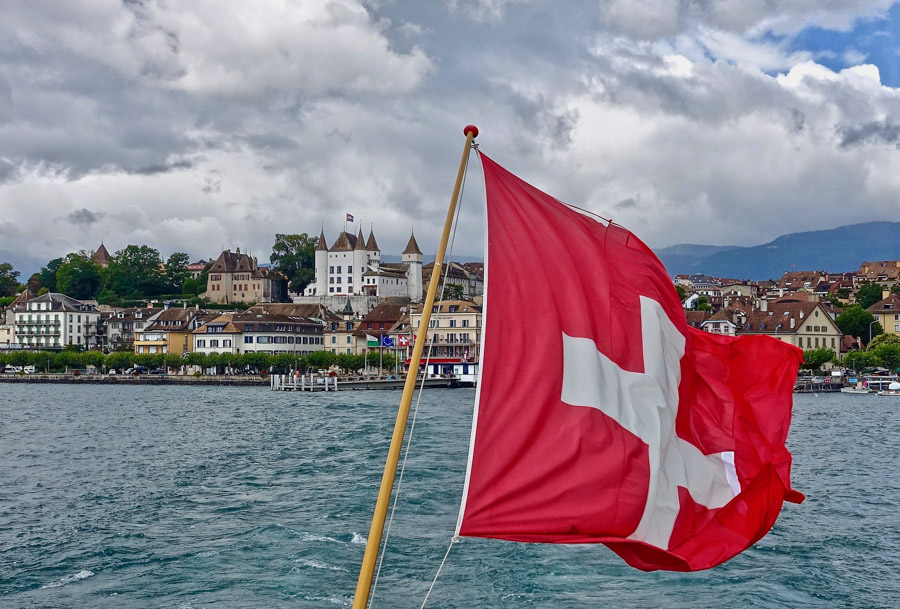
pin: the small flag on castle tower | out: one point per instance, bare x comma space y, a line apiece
349, 217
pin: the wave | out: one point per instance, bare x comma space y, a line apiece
357, 538
68, 579
316, 564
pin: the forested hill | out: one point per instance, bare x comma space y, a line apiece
837, 250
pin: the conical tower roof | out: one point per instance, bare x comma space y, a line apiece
344, 243
348, 308
370, 244
101, 256
412, 247
322, 244
360, 242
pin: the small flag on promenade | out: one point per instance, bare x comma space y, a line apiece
403, 340
387, 341
371, 341
612, 421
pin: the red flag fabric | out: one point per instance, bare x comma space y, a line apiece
601, 416
403, 341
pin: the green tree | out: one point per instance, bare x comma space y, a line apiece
814, 358
855, 321
884, 339
176, 271
703, 303
295, 257
190, 287
78, 276
9, 280
888, 355
860, 361
136, 272
46, 277
868, 294
121, 360
452, 291
321, 359
682, 293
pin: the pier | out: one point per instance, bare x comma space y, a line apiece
313, 382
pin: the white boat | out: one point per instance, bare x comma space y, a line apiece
892, 390
856, 390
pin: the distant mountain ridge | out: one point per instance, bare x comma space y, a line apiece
836, 250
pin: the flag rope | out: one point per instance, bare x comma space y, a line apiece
412, 425
453, 541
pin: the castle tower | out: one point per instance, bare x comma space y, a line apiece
372, 250
321, 281
413, 258
360, 259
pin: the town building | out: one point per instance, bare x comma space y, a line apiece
887, 313
169, 331
237, 277
123, 325
52, 321
259, 333
195, 269
468, 278
353, 266
885, 272
803, 323
454, 330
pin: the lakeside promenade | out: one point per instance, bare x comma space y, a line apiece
282, 383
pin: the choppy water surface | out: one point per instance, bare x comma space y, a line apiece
240, 497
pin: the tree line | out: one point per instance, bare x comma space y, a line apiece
138, 272
252, 363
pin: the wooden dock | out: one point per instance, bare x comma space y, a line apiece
313, 383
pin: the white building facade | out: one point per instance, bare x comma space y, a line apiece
352, 266
53, 320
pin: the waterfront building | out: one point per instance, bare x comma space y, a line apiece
259, 333
352, 266
169, 331
342, 336
53, 320
237, 277
123, 325
887, 312
455, 328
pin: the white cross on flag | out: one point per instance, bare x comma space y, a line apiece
601, 416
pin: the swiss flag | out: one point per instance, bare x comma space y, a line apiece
403, 340
601, 415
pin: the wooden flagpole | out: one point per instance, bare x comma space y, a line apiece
373, 544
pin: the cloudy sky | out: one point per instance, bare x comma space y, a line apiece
201, 125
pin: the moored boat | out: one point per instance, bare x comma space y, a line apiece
892, 390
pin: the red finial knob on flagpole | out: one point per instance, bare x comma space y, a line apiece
471, 128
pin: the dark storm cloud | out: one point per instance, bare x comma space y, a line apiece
85, 217
883, 132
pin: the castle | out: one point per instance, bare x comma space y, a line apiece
352, 266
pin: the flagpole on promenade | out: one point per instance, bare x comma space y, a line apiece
373, 544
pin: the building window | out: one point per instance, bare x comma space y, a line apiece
349, 340
334, 340
248, 339
214, 343
226, 342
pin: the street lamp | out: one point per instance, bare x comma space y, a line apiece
874, 321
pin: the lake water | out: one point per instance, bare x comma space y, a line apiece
144, 497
